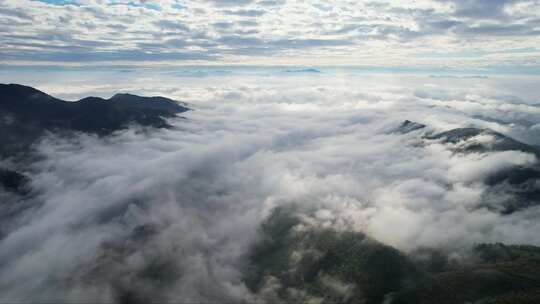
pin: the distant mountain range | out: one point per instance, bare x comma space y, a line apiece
90, 114
27, 113
304, 71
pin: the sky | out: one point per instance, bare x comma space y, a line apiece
458, 34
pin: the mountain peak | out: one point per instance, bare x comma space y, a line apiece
21, 93
33, 112
409, 126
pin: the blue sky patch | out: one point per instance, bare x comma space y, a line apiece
60, 2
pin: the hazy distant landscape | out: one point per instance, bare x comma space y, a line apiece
268, 152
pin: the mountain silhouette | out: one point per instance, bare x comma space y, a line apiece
26, 113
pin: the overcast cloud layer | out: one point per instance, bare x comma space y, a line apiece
187, 202
435, 33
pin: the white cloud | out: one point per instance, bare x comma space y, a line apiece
376, 33
187, 202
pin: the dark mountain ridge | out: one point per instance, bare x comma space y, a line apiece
26, 113
28, 103
500, 141
508, 190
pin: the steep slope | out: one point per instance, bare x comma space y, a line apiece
26, 113
509, 189
480, 140
502, 274
295, 263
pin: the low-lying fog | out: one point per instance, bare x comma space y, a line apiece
190, 200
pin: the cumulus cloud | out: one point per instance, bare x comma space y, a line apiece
387, 33
159, 215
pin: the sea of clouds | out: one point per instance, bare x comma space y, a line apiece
171, 213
